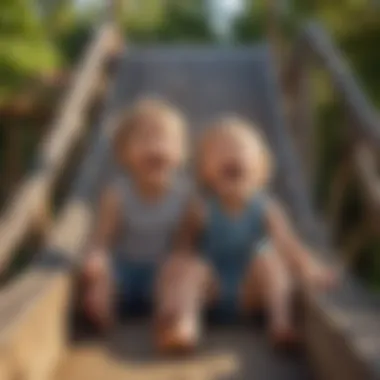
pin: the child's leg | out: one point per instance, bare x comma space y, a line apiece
268, 285
98, 291
185, 284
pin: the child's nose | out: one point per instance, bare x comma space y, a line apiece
158, 149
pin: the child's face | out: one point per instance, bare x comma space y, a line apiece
230, 163
154, 149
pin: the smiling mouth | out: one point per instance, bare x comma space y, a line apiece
232, 171
155, 162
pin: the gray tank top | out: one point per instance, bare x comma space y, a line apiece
148, 229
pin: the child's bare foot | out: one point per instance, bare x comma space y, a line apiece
177, 336
178, 325
180, 303
320, 278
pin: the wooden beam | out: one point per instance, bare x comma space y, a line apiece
336, 197
356, 239
314, 41
54, 151
366, 171
13, 157
366, 121
273, 31
369, 180
303, 119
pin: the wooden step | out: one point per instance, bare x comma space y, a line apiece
227, 353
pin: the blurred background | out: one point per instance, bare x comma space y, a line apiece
42, 40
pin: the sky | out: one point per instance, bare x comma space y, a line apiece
231, 5
223, 13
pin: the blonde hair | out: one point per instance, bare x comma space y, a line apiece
238, 126
128, 120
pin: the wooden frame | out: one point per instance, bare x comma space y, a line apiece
34, 307
32, 198
363, 128
336, 326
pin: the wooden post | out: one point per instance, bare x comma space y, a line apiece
13, 159
55, 150
369, 180
335, 200
273, 31
302, 120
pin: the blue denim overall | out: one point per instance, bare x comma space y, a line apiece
230, 243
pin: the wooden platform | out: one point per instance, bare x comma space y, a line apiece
228, 353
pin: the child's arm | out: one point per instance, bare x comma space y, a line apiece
104, 232
107, 221
190, 227
299, 257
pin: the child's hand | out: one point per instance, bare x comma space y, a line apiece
96, 263
320, 277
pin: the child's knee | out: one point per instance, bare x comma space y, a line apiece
281, 287
282, 279
182, 279
179, 266
269, 273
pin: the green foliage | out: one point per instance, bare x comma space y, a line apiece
184, 25
368, 266
25, 50
250, 28
361, 47
250, 25
69, 27
175, 22
72, 41
38, 37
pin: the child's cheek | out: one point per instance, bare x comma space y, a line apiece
133, 158
211, 173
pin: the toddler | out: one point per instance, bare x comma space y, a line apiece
139, 211
239, 249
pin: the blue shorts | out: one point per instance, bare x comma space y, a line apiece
227, 308
134, 284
